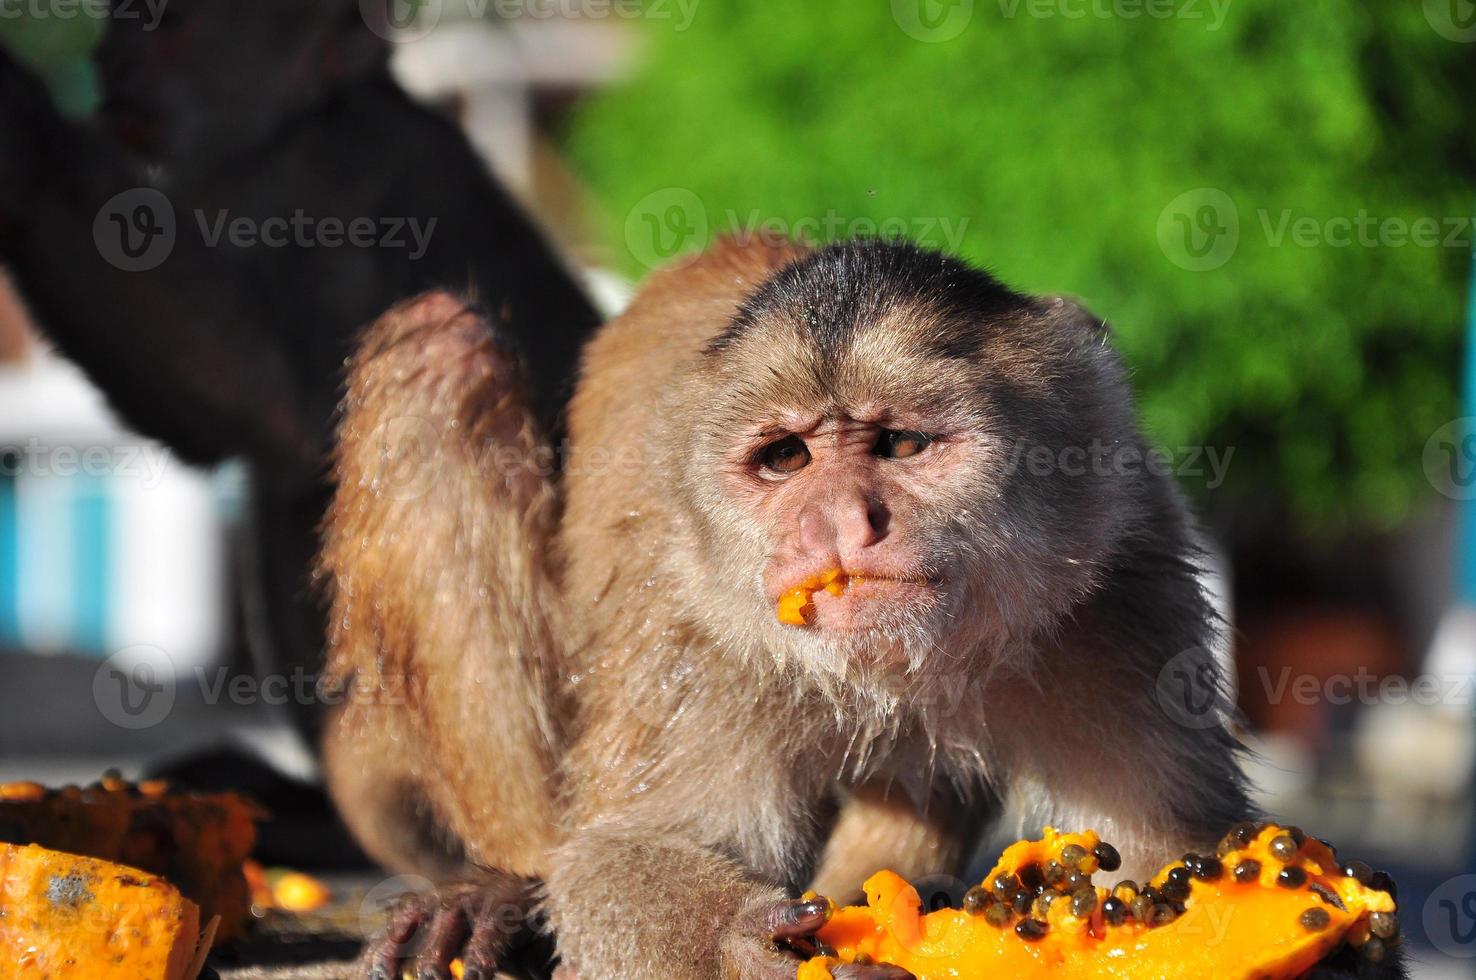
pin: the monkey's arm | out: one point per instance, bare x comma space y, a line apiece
643, 903
666, 873
170, 345
880, 827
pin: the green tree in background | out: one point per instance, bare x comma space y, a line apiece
1227, 185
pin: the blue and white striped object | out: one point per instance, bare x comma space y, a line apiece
106, 540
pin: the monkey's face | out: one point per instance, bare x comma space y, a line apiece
866, 412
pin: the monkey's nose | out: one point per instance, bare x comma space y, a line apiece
842, 524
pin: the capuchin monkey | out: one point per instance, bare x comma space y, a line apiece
603, 698
279, 117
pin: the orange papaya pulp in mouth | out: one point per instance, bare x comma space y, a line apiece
795, 604
1268, 905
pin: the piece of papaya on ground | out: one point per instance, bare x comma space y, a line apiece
1269, 905
68, 917
197, 841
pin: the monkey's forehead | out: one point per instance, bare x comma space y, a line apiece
829, 295
896, 358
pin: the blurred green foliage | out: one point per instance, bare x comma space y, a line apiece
1062, 143
57, 46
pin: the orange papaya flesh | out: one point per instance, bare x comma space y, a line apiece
794, 605
1270, 904
67, 916
197, 841
284, 889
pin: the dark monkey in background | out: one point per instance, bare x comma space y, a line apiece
259, 112
600, 695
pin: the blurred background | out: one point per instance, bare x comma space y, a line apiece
1270, 202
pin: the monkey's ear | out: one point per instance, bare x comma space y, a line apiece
357, 43
1071, 315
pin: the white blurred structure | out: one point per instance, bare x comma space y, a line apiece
109, 541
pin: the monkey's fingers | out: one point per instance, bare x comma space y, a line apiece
476, 921
852, 971
485, 950
797, 918
383, 955
447, 934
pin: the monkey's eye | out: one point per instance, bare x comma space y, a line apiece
900, 445
788, 455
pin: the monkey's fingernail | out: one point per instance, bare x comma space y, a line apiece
870, 973
798, 918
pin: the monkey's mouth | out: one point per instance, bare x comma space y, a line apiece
843, 600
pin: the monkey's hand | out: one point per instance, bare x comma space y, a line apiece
790, 926
28, 122
680, 911
480, 920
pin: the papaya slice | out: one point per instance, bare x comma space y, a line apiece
1269, 904
198, 841
65, 916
